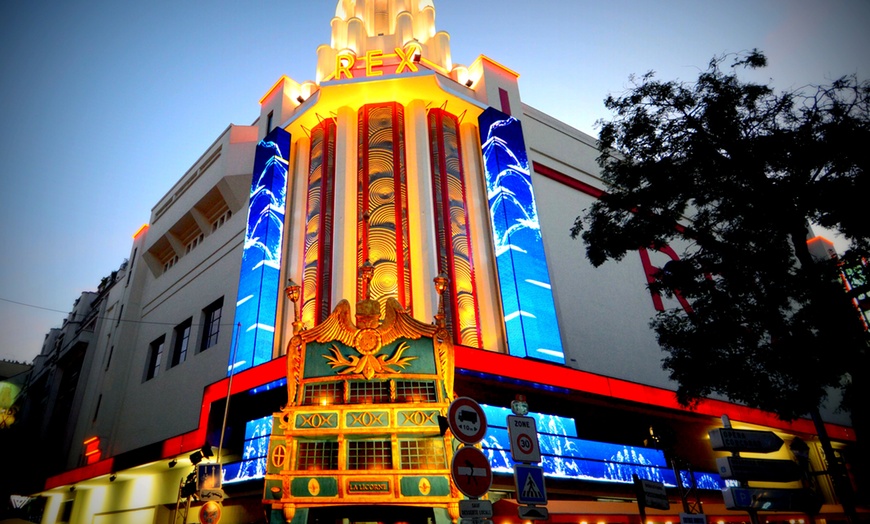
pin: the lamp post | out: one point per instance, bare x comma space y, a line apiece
293, 290
440, 287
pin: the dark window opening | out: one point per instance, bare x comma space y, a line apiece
212, 323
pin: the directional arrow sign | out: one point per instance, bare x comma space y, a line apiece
724, 439
766, 470
802, 500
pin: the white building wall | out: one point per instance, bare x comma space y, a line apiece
167, 405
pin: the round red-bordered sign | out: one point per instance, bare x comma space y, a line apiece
471, 471
466, 420
525, 444
210, 513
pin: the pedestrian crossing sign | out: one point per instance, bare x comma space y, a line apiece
529, 482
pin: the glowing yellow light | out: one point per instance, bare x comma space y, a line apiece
140, 230
269, 92
324, 402
374, 58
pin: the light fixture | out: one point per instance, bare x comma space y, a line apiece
206, 450
469, 82
112, 478
292, 290
172, 463
300, 99
196, 457
417, 57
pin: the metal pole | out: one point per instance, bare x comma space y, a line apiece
229, 389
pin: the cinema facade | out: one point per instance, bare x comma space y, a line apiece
310, 297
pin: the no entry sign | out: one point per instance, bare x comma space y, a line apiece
471, 471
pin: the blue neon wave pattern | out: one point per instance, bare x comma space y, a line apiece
259, 288
527, 298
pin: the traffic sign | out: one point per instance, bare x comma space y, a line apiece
766, 470
725, 439
475, 509
523, 433
653, 493
471, 471
769, 499
529, 481
467, 420
533, 512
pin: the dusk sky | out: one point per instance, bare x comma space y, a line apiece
106, 104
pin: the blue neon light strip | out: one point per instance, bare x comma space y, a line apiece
259, 288
527, 298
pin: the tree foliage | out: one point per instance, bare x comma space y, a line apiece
736, 172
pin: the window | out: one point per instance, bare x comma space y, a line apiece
369, 392
155, 355
197, 240
422, 453
323, 394
169, 262
97, 410
109, 359
369, 454
221, 220
317, 455
211, 323
269, 121
130, 268
415, 391
182, 342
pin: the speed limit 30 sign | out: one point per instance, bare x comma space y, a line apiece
523, 433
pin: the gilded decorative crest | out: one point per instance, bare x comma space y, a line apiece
367, 338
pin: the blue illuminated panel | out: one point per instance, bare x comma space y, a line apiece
527, 298
257, 301
563, 455
254, 453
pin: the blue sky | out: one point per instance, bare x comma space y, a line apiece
105, 104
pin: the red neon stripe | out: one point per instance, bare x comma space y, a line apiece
397, 208
323, 292
445, 222
468, 243
103, 467
564, 179
535, 372
573, 183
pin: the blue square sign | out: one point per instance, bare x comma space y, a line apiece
530, 484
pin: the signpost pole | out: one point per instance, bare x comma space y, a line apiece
641, 499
